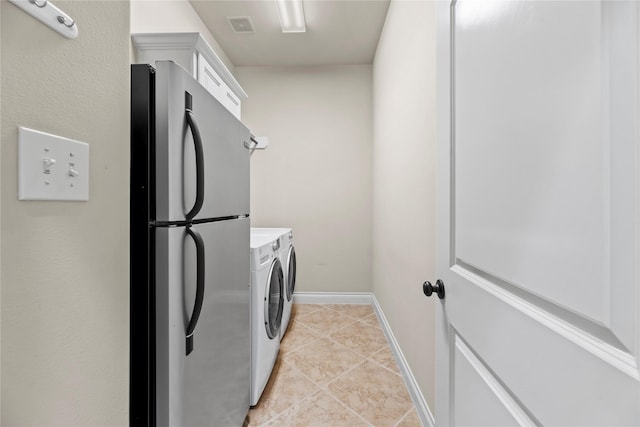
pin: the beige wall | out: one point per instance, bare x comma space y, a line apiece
0, 217
172, 16
315, 176
403, 181
65, 265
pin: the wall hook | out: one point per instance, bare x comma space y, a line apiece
66, 21
43, 3
50, 15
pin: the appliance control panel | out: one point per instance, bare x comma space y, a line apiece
51, 167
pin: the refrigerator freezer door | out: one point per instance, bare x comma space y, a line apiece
210, 386
224, 162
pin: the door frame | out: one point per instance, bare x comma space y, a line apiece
443, 180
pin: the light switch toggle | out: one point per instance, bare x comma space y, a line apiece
46, 165
51, 167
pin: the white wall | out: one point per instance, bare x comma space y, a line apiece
65, 265
403, 181
172, 16
315, 176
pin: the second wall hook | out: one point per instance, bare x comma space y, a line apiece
50, 15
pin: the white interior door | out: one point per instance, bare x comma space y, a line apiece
538, 213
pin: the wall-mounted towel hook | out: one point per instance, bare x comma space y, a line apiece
50, 15
66, 21
251, 144
42, 3
259, 142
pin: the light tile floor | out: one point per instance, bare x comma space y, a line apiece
335, 369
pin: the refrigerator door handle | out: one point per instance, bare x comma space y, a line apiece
197, 141
199, 289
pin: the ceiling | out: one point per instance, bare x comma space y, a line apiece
339, 32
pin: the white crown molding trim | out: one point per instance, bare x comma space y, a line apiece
189, 41
422, 408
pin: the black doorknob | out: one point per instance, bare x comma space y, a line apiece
428, 288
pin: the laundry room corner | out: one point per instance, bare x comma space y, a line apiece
315, 175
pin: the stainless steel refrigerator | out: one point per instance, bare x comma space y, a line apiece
190, 331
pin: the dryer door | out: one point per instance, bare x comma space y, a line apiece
291, 273
273, 303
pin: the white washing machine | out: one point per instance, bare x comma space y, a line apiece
288, 260
267, 301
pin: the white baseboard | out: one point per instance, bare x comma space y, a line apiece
424, 413
333, 297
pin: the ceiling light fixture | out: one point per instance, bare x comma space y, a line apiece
291, 16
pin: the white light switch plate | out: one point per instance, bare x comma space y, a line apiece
51, 167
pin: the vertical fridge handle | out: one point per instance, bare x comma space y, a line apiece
197, 141
199, 289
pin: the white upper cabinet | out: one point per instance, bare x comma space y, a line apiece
194, 54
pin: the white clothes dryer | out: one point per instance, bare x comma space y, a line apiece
267, 294
288, 260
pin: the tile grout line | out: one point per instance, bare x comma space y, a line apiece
306, 344
335, 330
354, 368
295, 368
316, 311
298, 316
367, 358
282, 355
382, 366
403, 417
346, 372
325, 388
321, 386
303, 345
348, 408
360, 318
289, 408
354, 351
358, 353
364, 355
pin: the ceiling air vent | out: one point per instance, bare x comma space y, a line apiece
241, 24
